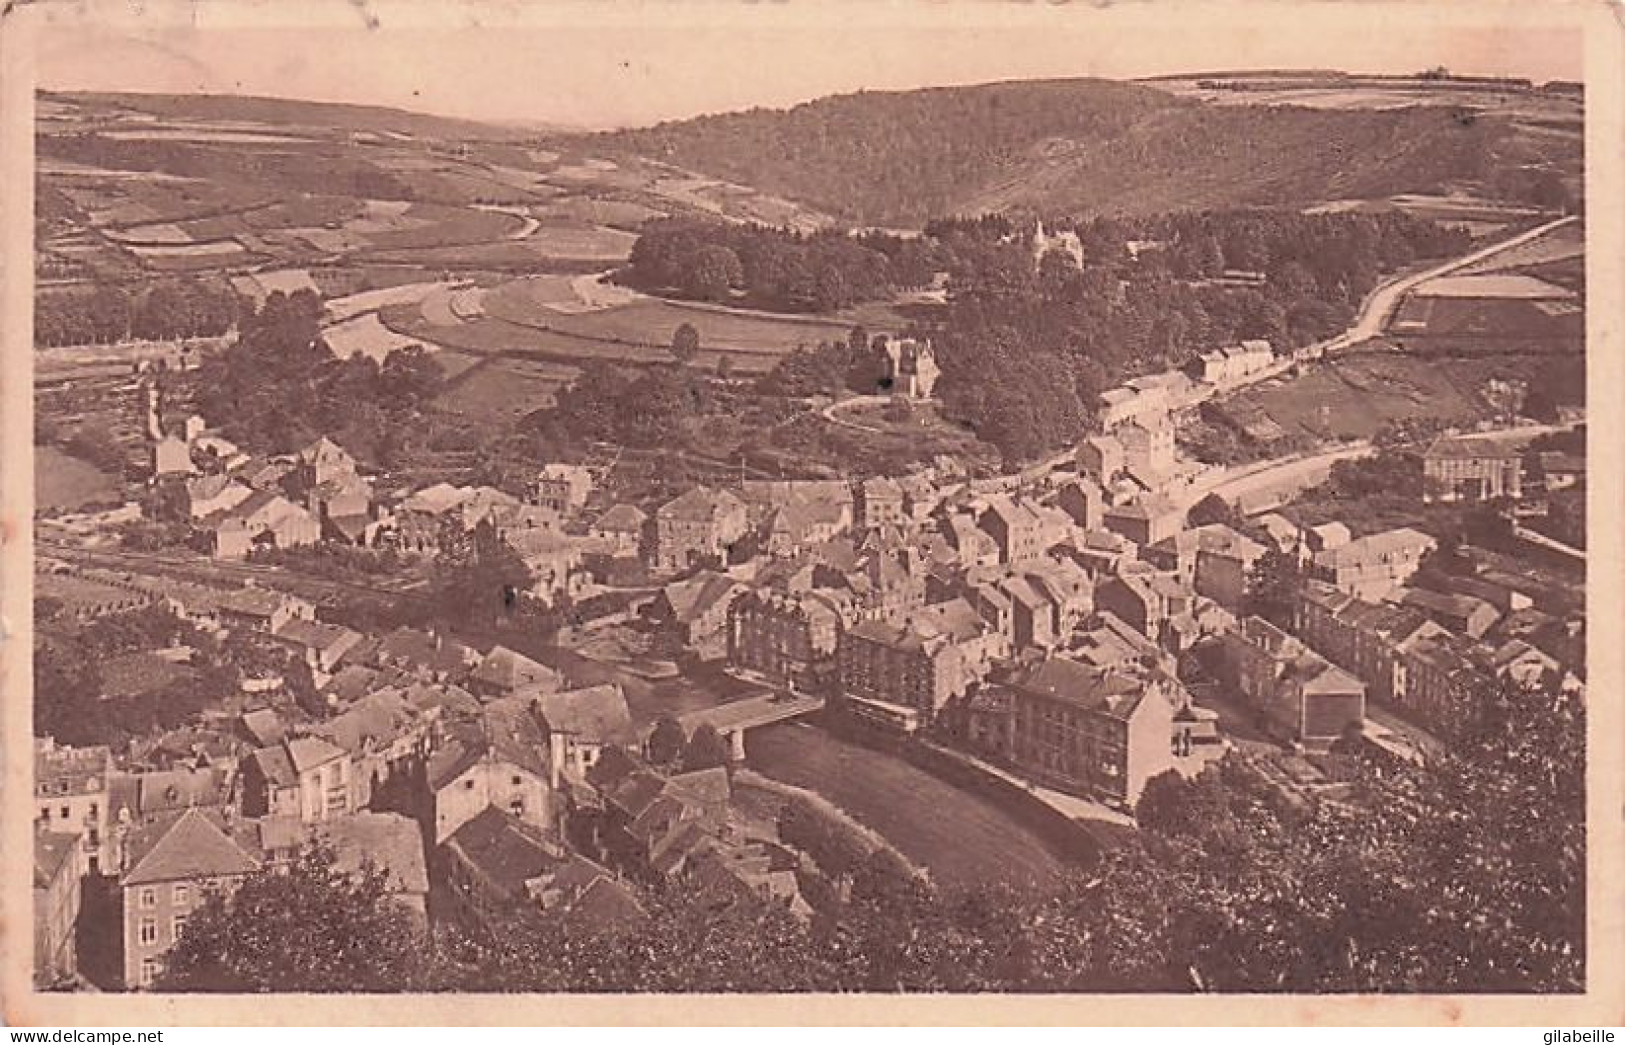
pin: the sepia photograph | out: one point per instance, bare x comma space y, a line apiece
712, 499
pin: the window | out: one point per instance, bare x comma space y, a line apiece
93, 809
517, 780
64, 812
517, 807
149, 971
177, 927
149, 931
182, 895
468, 785
149, 898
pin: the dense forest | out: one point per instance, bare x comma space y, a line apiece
279, 387
1466, 875
108, 313
776, 269
1080, 146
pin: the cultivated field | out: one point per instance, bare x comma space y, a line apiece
1354, 397
1561, 244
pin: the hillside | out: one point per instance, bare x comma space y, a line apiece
292, 112
1085, 147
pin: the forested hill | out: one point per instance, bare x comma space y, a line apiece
1084, 147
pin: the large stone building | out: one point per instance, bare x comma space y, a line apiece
1472, 468
1091, 731
921, 664
57, 898
788, 636
173, 866
910, 368
700, 526
71, 796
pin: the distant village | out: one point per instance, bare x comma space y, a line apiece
1067, 633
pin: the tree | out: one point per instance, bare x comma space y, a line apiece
715, 272
478, 578
667, 741
95, 443
706, 749
1273, 584
685, 343
309, 928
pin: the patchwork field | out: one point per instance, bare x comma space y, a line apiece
1354, 397
1561, 244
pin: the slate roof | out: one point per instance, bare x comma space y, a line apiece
316, 635
622, 518
250, 602
505, 729
596, 714
506, 670
1103, 691
690, 599
377, 719
435, 500
52, 850
506, 850
391, 841
264, 725
700, 504
275, 765
1375, 547
310, 752
166, 790
188, 847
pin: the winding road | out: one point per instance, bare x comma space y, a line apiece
1382, 301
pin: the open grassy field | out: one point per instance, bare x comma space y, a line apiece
1355, 396
490, 336
650, 321
503, 390
959, 837
64, 482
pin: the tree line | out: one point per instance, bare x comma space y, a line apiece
109, 313
775, 268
